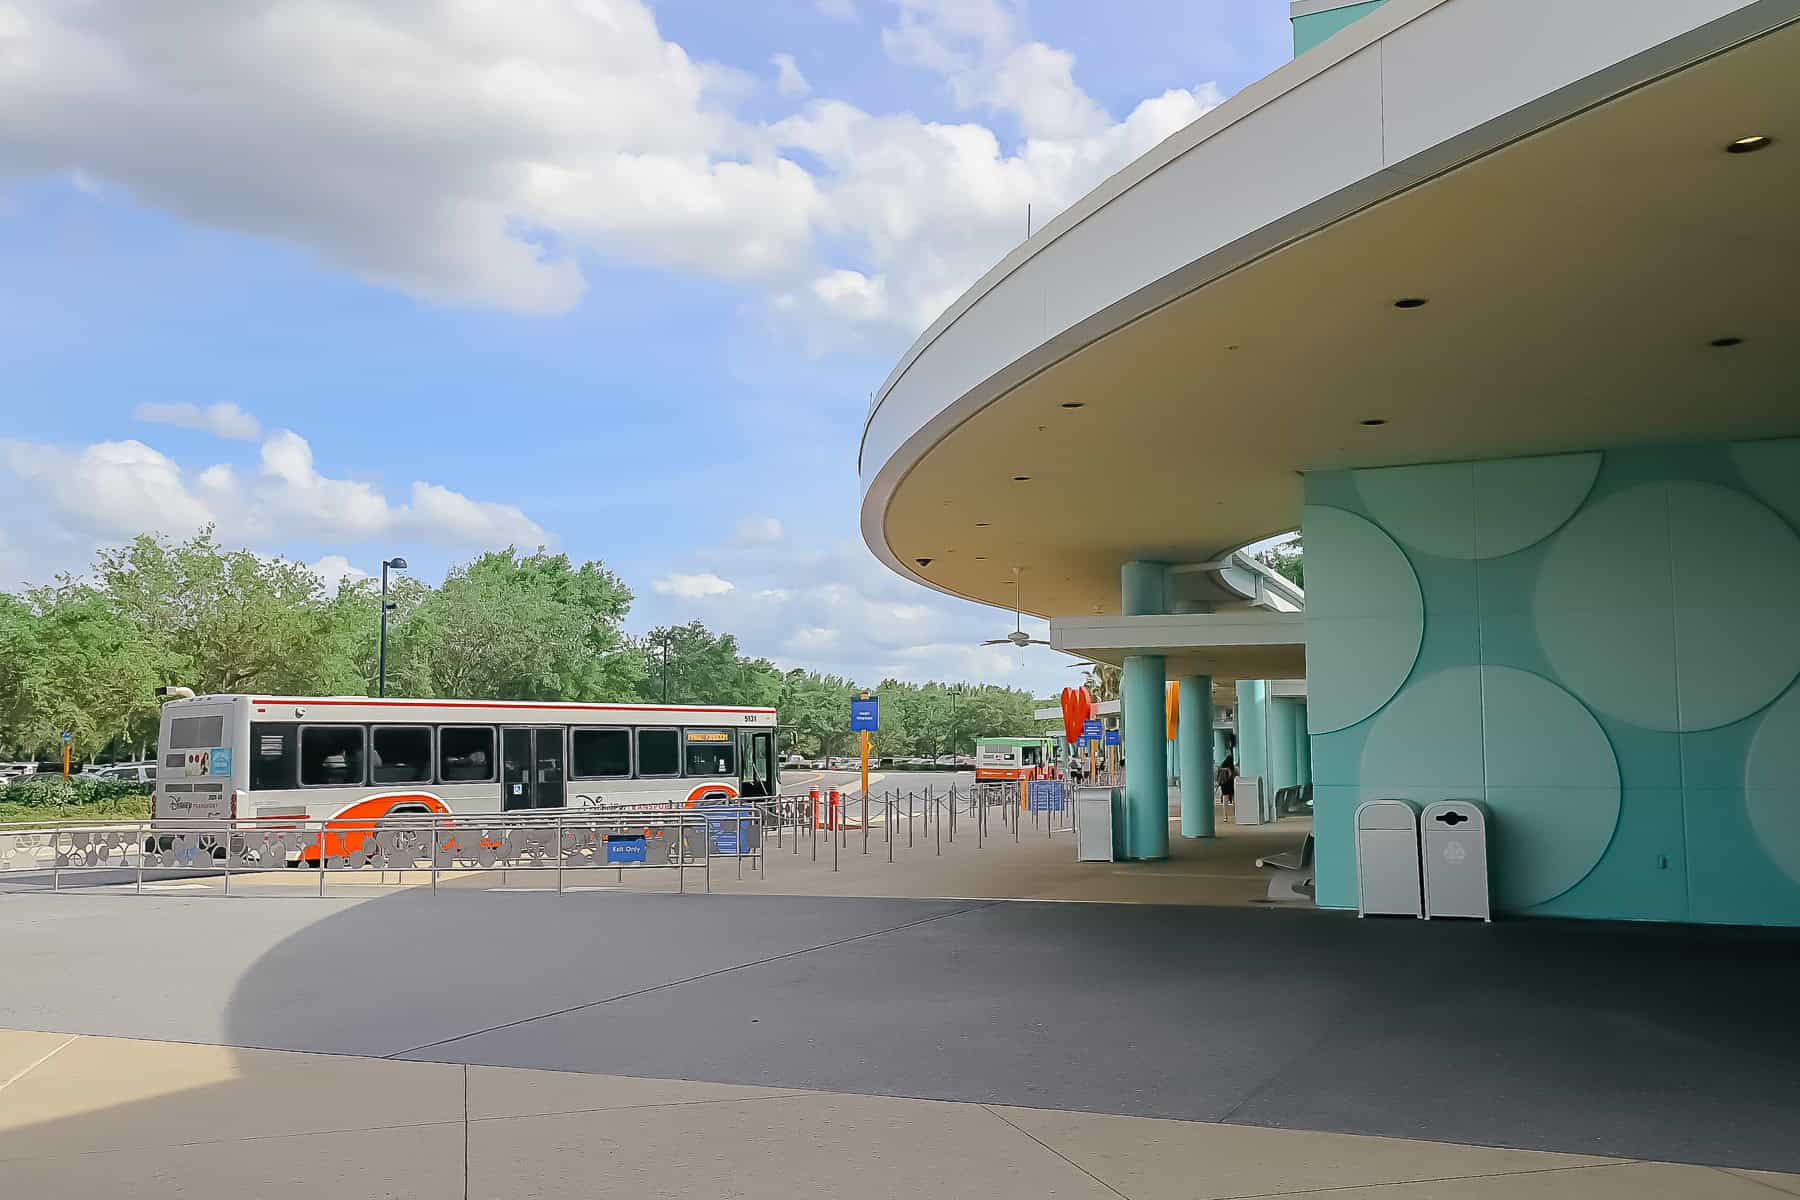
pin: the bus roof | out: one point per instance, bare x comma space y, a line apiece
1013, 741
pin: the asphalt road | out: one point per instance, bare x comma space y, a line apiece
1643, 1041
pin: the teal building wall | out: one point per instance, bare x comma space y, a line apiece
1602, 646
1314, 28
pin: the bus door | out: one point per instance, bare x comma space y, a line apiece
758, 756
532, 771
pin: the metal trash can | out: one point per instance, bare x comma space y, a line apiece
1387, 859
1456, 863
1094, 814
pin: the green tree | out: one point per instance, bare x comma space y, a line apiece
1287, 560
230, 620
701, 667
70, 661
512, 627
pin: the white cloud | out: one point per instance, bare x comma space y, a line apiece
839, 610
788, 79
220, 420
111, 490
493, 154
759, 531
813, 640
336, 571
693, 587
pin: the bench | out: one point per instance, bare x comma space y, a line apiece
1292, 872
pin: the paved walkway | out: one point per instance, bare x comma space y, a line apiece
87, 1116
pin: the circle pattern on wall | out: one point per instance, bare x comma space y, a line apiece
1724, 648
1540, 761
1770, 796
1479, 509
1772, 471
1365, 618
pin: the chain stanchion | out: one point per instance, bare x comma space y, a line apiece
909, 818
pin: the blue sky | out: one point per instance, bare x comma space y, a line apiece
354, 279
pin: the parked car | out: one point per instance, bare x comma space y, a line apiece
138, 772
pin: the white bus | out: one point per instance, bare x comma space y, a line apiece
353, 758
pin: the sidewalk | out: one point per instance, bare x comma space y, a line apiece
205, 1121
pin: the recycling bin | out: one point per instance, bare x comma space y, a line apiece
1247, 806
1456, 861
1387, 859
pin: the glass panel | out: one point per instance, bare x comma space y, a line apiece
711, 752
515, 768
272, 757
602, 753
466, 754
331, 755
659, 752
400, 754
196, 733
549, 789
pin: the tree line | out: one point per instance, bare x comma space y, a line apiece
85, 654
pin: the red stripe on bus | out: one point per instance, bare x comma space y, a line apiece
552, 706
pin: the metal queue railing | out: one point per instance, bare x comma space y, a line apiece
578, 841
582, 841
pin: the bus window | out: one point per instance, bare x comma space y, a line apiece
602, 754
711, 752
274, 757
658, 752
196, 733
1033, 755
466, 754
331, 755
400, 754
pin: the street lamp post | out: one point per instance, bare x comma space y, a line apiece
398, 564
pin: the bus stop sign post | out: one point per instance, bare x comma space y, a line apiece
865, 718
67, 739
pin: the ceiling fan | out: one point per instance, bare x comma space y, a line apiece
1018, 637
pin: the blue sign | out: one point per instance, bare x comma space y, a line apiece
67, 737
865, 714
1112, 737
220, 761
622, 849
1044, 795
1090, 728
723, 823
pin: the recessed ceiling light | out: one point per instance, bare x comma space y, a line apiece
1373, 421
1723, 342
1021, 478
1074, 404
1750, 145
1411, 302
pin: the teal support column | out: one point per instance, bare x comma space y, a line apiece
1194, 736
1143, 706
1143, 588
1252, 725
1218, 747
1302, 747
1143, 709
1174, 765
1284, 729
